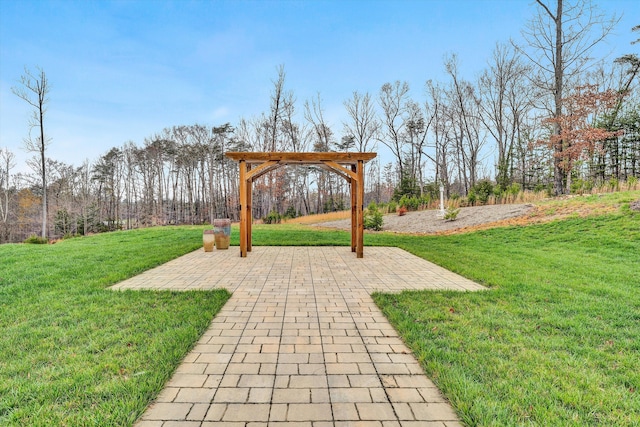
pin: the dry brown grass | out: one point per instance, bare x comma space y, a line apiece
317, 218
552, 209
522, 197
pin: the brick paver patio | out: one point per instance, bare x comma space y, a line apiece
300, 342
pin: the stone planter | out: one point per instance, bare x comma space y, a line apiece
208, 240
222, 231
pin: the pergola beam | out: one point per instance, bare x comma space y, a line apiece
303, 158
340, 170
262, 169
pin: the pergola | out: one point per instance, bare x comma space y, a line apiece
348, 165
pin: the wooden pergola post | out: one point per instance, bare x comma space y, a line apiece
244, 218
350, 166
360, 208
354, 210
249, 209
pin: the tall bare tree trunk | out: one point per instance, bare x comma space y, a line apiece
558, 171
35, 92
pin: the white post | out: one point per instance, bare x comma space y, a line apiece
442, 200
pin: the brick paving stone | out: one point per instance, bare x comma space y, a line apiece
358, 424
167, 411
224, 424
423, 424
364, 381
246, 412
231, 395
167, 394
433, 411
307, 381
320, 395
309, 412
300, 343
376, 411
286, 395
350, 395
404, 395
187, 380
181, 424
198, 411
345, 412
195, 395
256, 381
294, 424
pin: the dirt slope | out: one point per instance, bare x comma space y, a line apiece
482, 217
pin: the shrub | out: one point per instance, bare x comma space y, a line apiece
402, 211
411, 203
403, 201
581, 186
36, 240
373, 217
408, 187
424, 201
273, 218
451, 214
513, 189
432, 190
291, 212
392, 207
481, 191
62, 222
471, 198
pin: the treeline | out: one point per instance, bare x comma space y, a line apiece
508, 126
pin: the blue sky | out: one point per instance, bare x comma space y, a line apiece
124, 70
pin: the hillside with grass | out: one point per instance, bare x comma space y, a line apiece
556, 341
553, 342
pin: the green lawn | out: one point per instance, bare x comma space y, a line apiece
555, 342
74, 353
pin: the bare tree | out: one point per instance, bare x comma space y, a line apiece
323, 140
34, 90
107, 173
560, 39
393, 100
440, 131
6, 164
504, 102
364, 126
278, 98
418, 125
466, 124
269, 130
322, 133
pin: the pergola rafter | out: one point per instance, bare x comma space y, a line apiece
349, 166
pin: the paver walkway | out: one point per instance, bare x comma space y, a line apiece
300, 342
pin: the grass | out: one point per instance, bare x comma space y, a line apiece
555, 342
316, 218
556, 339
73, 352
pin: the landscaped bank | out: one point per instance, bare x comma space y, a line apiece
555, 342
